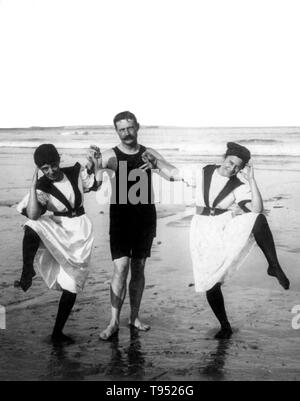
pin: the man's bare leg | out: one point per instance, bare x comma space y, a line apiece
136, 289
117, 296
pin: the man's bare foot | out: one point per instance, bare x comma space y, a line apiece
110, 331
279, 274
139, 325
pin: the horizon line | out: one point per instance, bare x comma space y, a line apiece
111, 126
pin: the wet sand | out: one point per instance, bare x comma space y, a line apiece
180, 344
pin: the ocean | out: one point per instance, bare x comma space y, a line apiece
268, 145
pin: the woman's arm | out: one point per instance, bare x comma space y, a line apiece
33, 208
256, 202
100, 163
95, 164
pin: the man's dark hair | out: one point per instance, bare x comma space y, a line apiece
125, 115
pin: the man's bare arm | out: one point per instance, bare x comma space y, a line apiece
156, 161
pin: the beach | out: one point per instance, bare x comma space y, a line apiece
180, 345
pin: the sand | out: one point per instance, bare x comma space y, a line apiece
180, 344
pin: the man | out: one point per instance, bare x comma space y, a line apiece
132, 216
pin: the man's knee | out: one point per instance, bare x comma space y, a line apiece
121, 268
138, 266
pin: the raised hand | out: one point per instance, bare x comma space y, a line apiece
95, 151
249, 173
35, 177
149, 159
94, 158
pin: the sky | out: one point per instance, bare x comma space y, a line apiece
171, 62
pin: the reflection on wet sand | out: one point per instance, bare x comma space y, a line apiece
63, 367
60, 367
215, 361
127, 363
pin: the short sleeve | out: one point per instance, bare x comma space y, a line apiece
242, 193
89, 182
42, 199
242, 196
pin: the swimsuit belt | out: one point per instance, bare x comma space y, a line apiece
71, 213
209, 211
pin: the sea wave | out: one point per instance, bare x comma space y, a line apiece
258, 141
259, 147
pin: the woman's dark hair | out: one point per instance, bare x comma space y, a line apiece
234, 149
46, 154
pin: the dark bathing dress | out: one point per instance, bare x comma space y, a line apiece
132, 225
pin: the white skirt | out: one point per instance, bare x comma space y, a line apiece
219, 245
64, 254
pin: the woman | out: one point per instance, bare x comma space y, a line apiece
220, 237
64, 239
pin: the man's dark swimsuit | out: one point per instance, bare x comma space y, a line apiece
132, 226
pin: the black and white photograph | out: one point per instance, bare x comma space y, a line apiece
149, 193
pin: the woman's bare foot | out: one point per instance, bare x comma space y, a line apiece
110, 331
139, 325
279, 274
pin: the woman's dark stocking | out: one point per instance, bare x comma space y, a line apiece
216, 301
31, 242
66, 304
264, 239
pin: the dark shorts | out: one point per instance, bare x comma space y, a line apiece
132, 229
130, 245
